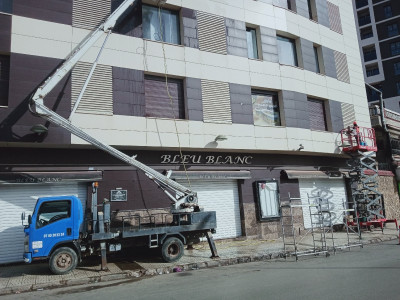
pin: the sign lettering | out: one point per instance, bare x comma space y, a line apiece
207, 160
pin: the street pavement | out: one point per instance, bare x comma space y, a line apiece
17, 279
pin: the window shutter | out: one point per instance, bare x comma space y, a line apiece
216, 101
341, 66
348, 114
4, 79
334, 17
98, 97
211, 33
89, 14
317, 114
158, 103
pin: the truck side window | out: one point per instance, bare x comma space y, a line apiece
52, 211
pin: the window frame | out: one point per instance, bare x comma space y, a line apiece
261, 216
163, 10
254, 44
323, 102
39, 213
396, 49
390, 33
312, 10
293, 49
387, 11
275, 101
396, 69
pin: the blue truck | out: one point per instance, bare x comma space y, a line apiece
59, 231
62, 233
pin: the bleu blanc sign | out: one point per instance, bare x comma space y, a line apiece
207, 159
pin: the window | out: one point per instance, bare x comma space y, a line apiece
268, 199
312, 10
317, 60
395, 48
4, 79
157, 101
251, 43
52, 211
169, 31
366, 33
369, 54
392, 30
265, 108
316, 108
387, 11
396, 68
6, 6
361, 3
287, 51
398, 88
364, 20
289, 4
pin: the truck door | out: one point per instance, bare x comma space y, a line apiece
52, 223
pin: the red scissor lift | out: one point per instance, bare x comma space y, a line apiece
360, 144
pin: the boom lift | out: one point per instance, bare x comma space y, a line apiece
45, 237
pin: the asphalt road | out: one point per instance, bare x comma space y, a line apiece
368, 273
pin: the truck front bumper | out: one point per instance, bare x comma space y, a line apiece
28, 257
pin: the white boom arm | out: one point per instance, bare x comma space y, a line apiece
184, 199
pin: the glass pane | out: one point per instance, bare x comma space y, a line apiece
287, 51
151, 25
268, 192
265, 110
53, 211
6, 6
317, 70
251, 43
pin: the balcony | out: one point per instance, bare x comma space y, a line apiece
369, 55
361, 3
372, 72
364, 20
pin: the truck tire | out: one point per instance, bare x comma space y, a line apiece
172, 249
63, 261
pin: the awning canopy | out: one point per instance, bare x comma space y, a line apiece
296, 174
211, 175
49, 177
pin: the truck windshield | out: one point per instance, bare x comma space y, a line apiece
52, 211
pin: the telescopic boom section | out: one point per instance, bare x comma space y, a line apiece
183, 198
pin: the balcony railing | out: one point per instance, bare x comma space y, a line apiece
368, 56
364, 20
372, 72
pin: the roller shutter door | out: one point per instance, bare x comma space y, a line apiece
18, 198
221, 196
332, 189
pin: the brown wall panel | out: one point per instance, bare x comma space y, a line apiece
58, 11
5, 33
26, 74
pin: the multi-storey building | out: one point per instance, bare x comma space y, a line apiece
378, 23
257, 94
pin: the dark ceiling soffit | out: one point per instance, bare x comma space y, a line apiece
49, 177
296, 174
211, 175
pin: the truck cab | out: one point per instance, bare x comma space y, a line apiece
55, 223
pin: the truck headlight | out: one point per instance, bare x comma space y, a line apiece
26, 243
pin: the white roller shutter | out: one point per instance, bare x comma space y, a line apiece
221, 196
18, 198
332, 189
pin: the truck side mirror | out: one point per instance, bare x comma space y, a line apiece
29, 219
23, 218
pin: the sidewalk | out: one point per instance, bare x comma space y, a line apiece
23, 278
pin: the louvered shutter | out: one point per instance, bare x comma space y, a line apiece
97, 98
89, 14
348, 114
216, 101
4, 79
342, 69
317, 114
158, 103
211, 33
334, 17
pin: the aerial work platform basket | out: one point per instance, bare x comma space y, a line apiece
357, 138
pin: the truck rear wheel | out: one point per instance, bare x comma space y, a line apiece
63, 261
172, 249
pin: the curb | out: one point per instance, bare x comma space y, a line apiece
160, 271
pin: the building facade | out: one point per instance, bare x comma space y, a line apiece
378, 23
254, 93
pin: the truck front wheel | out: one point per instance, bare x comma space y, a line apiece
63, 260
172, 249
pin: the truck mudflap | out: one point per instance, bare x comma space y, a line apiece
27, 257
